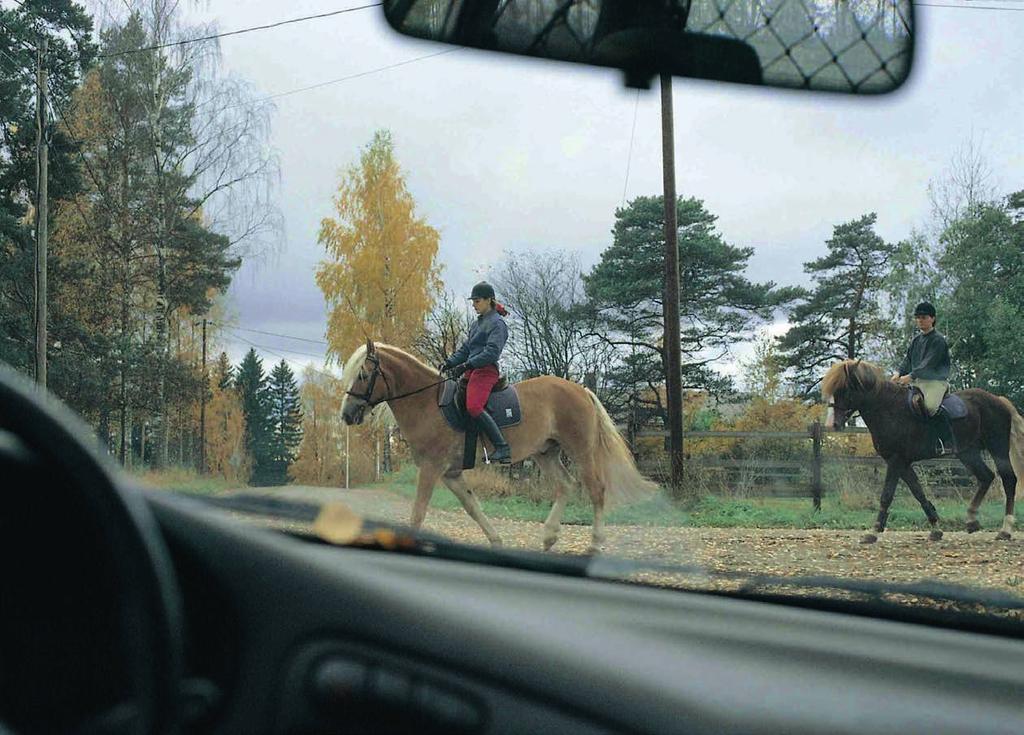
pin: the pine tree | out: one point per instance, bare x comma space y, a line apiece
285, 421
841, 318
718, 305
251, 384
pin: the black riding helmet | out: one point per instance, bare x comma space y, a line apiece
482, 290
924, 309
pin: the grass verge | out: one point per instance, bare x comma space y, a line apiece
722, 512
183, 480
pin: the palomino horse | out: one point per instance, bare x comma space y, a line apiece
557, 416
901, 438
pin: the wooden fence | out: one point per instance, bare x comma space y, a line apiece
802, 477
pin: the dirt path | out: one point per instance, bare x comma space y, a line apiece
899, 556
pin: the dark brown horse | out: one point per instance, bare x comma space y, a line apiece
901, 438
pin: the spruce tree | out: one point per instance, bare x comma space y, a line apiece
251, 384
285, 421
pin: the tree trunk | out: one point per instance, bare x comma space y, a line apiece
142, 443
162, 435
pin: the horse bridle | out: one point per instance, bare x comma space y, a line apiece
377, 371
850, 377
365, 397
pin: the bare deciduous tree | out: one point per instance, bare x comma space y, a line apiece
543, 292
966, 183
447, 326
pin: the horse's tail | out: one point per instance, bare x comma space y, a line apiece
1016, 441
622, 480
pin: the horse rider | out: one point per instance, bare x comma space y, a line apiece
926, 367
478, 358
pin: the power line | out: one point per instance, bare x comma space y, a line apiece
238, 32
338, 80
269, 349
278, 354
629, 156
273, 334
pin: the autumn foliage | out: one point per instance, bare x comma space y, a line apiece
381, 277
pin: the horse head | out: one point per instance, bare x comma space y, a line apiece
845, 387
367, 383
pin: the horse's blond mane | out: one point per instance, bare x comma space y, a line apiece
351, 369
869, 376
350, 372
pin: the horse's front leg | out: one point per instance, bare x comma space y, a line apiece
914, 483
893, 471
453, 479
425, 481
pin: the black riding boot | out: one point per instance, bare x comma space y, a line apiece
943, 429
485, 422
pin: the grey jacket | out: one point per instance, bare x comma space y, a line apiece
484, 344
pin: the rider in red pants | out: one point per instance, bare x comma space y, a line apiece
478, 356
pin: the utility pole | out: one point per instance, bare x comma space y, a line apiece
42, 212
202, 408
670, 302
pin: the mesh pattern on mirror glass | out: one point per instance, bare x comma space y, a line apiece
859, 46
842, 45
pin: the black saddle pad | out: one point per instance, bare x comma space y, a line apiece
503, 405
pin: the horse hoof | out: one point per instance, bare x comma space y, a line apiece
548, 543
935, 535
868, 538
973, 526
496, 543
1003, 536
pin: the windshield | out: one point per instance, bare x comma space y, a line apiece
278, 241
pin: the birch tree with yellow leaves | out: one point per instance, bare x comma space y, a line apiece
381, 275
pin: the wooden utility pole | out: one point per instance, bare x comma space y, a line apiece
42, 212
202, 409
670, 301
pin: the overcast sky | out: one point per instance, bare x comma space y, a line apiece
502, 153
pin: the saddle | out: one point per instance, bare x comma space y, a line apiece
952, 404
460, 395
502, 405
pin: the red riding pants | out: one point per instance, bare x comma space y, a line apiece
481, 380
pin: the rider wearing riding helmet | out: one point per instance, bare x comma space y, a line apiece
478, 358
926, 367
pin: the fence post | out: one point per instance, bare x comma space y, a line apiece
816, 435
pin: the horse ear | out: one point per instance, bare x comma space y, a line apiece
370, 349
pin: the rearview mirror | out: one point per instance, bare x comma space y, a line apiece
854, 46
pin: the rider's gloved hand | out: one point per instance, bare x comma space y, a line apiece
459, 369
